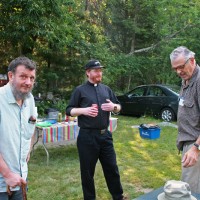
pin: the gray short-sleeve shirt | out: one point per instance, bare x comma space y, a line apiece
189, 110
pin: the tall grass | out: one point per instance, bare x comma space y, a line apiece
144, 165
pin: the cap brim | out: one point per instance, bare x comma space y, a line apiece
162, 197
193, 198
95, 67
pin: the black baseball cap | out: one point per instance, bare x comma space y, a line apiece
93, 64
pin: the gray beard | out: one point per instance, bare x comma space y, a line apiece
19, 95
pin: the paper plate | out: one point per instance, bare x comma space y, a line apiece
43, 124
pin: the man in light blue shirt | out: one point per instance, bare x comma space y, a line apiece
17, 125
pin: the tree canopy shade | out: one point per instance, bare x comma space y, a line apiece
132, 38
54, 33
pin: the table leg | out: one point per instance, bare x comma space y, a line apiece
37, 139
46, 153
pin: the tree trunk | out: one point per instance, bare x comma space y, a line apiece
129, 82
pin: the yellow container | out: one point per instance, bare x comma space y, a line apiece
59, 117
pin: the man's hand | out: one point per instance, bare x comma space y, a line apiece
14, 180
109, 106
88, 111
91, 111
190, 158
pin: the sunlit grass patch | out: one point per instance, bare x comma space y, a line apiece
143, 164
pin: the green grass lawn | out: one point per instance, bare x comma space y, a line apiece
143, 164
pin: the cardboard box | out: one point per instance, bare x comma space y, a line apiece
149, 133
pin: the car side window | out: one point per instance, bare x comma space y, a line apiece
138, 92
155, 91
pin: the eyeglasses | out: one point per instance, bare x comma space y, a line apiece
181, 67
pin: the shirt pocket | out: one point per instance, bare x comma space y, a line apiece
29, 131
105, 97
189, 104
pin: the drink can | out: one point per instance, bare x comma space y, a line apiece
95, 105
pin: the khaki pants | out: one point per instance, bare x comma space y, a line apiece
191, 175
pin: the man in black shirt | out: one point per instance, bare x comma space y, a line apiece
92, 102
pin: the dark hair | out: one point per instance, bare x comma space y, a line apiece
22, 60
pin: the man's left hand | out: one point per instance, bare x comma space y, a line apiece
191, 157
107, 106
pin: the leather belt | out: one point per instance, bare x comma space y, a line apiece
103, 131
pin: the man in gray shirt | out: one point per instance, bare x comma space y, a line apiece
184, 64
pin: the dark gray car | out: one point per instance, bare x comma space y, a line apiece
154, 99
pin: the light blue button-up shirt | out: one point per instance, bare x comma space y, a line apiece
15, 132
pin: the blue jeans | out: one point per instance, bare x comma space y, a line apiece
16, 195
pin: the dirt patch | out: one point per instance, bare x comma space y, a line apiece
144, 190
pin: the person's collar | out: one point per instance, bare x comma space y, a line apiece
10, 96
193, 78
92, 84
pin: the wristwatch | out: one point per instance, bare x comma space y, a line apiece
197, 146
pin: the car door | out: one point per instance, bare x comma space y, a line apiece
155, 99
135, 103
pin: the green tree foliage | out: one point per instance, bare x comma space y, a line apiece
59, 35
132, 31
132, 38
36, 29
148, 31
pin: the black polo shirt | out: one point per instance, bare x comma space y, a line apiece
87, 94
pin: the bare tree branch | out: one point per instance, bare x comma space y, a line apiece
168, 37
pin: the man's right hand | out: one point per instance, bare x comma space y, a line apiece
91, 111
88, 111
191, 157
14, 180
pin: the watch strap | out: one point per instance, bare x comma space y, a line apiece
197, 146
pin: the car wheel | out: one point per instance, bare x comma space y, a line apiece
167, 114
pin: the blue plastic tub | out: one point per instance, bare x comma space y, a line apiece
149, 133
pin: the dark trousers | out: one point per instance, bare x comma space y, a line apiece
16, 195
92, 145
